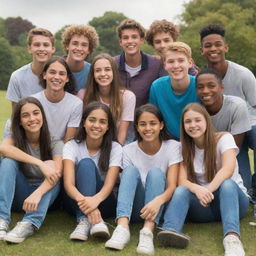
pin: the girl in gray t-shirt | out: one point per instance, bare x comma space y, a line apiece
29, 172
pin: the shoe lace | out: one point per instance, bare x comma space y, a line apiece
233, 244
3, 225
82, 225
21, 226
118, 234
145, 239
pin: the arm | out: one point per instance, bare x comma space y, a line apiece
13, 105
122, 131
70, 133
9, 150
228, 164
239, 138
151, 209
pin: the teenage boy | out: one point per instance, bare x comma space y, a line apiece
228, 113
161, 34
25, 80
173, 92
238, 80
79, 41
137, 70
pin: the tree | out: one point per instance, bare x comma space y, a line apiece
238, 21
15, 27
106, 28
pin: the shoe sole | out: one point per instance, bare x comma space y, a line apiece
172, 239
141, 251
14, 240
114, 246
78, 237
100, 234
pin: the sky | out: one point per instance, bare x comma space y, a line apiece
54, 14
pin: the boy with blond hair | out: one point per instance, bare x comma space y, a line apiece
137, 70
173, 92
79, 41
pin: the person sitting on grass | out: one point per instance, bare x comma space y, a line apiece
160, 35
29, 172
211, 189
91, 167
148, 180
104, 85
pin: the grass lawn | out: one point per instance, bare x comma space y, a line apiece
53, 237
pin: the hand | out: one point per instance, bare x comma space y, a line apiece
49, 171
150, 210
31, 203
94, 217
204, 195
88, 204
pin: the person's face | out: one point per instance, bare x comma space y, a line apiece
103, 73
41, 48
96, 124
209, 90
214, 48
195, 125
177, 64
78, 48
131, 41
149, 127
56, 77
31, 118
161, 41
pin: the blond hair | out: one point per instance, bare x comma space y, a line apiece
180, 47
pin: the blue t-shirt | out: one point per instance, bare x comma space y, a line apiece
171, 104
81, 77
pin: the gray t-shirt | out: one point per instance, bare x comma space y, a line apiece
240, 81
33, 174
62, 114
23, 83
233, 116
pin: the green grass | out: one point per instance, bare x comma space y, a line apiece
53, 237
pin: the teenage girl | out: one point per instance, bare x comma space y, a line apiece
149, 177
211, 189
104, 85
91, 167
29, 172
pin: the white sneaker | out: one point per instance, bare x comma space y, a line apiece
20, 232
233, 246
100, 230
145, 245
120, 238
3, 228
81, 231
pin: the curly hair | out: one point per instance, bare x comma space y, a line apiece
212, 29
130, 24
81, 30
159, 26
39, 32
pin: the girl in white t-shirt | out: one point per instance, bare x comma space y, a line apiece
104, 85
30, 171
211, 189
91, 167
149, 177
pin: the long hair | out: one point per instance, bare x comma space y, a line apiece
108, 137
70, 85
164, 134
19, 135
209, 145
92, 89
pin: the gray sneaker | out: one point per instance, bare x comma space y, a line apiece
3, 228
20, 232
81, 231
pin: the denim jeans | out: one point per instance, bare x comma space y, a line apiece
132, 195
229, 205
89, 183
14, 189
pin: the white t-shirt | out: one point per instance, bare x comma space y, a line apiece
77, 151
62, 114
168, 154
23, 83
133, 71
225, 143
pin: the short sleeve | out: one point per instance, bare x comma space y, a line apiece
175, 153
129, 102
126, 160
57, 147
69, 151
13, 93
76, 115
116, 155
227, 142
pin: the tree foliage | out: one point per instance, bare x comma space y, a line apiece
238, 18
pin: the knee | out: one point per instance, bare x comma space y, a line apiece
156, 174
228, 186
85, 165
181, 192
130, 172
8, 164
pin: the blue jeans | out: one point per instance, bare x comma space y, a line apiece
132, 196
89, 183
14, 189
229, 205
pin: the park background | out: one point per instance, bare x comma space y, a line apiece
17, 17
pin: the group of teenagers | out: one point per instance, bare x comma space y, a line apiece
140, 138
